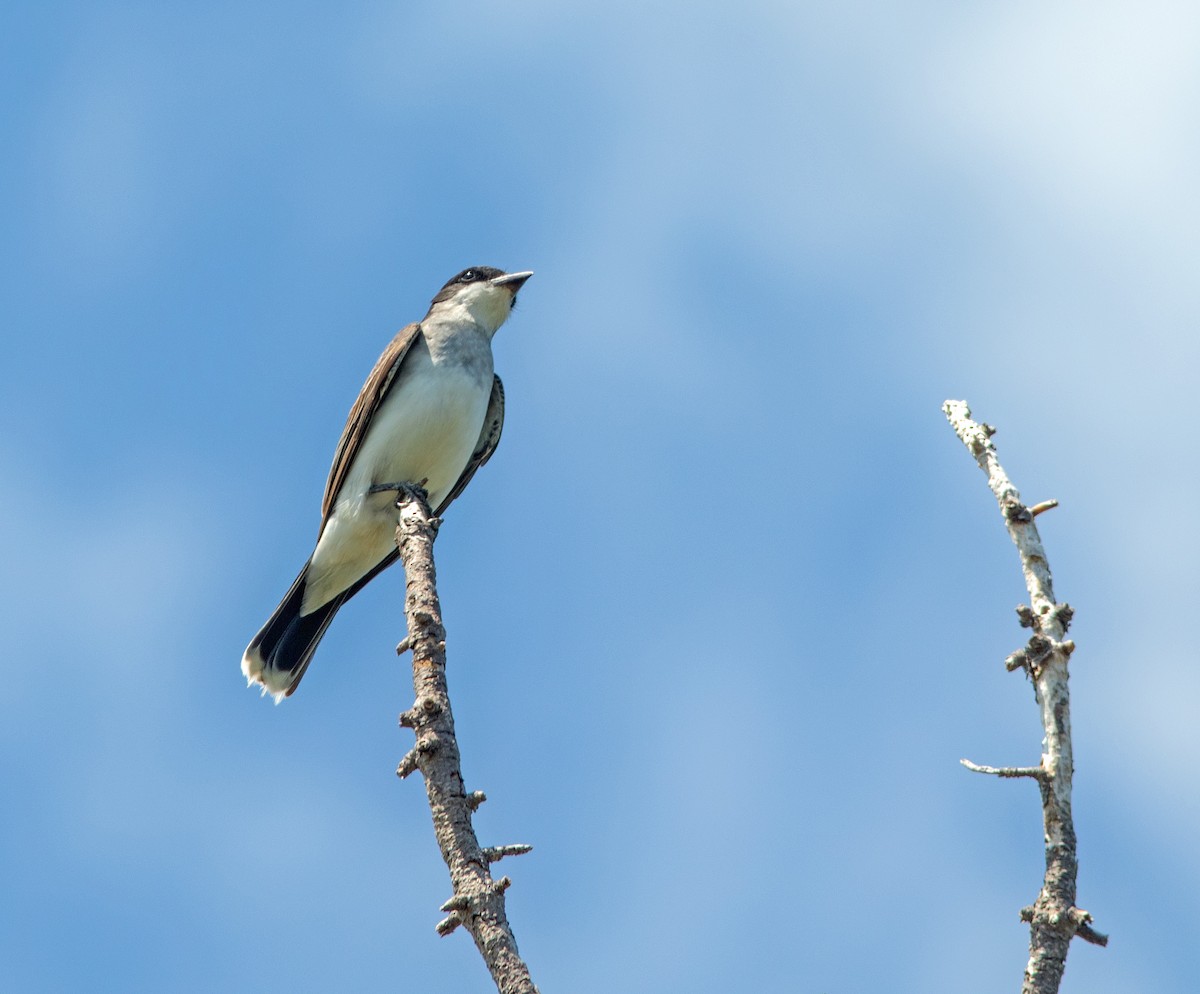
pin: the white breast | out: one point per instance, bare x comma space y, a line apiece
425, 429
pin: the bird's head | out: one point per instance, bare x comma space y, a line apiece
486, 293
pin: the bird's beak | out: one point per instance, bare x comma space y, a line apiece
513, 281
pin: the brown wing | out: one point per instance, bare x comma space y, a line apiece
369, 399
489, 438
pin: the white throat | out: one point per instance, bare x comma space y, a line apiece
479, 303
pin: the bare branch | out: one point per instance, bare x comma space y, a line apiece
478, 901
493, 854
1053, 918
1033, 772
408, 765
1089, 934
448, 924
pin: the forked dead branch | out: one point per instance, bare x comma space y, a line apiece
1054, 919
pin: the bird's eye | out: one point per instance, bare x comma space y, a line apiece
467, 277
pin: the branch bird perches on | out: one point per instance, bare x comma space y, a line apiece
478, 901
1053, 918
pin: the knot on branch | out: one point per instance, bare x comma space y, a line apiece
424, 709
1065, 614
1062, 613
462, 906
474, 799
1015, 511
1070, 923
425, 747
1037, 651
426, 635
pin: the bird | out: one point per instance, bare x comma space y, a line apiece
429, 414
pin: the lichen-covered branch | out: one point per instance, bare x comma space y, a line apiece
478, 901
1053, 918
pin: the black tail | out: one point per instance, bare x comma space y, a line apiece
280, 653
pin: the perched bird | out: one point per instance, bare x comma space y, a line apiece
430, 413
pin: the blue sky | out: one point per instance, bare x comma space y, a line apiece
730, 602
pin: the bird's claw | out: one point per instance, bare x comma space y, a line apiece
412, 489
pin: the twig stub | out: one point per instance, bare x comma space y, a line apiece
1032, 772
1043, 506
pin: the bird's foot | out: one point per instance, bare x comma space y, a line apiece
411, 490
